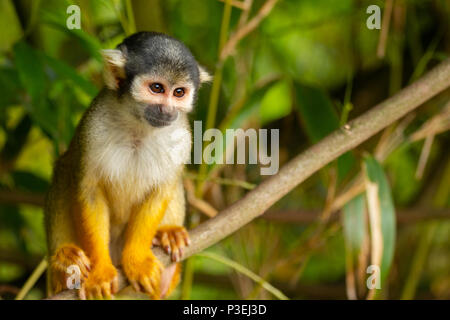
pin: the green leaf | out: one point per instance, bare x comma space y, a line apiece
401, 165
375, 174
32, 75
250, 106
10, 87
65, 71
15, 140
277, 102
57, 20
355, 233
31, 70
30, 182
354, 224
316, 110
319, 119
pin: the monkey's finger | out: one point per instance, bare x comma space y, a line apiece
146, 284
57, 281
180, 253
83, 259
155, 281
115, 285
155, 292
97, 293
173, 245
106, 290
165, 242
186, 237
79, 259
175, 255
84, 271
173, 240
82, 293
180, 240
135, 285
156, 242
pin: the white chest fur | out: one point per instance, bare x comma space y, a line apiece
134, 159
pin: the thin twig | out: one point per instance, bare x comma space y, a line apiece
29, 284
381, 50
223, 181
241, 269
424, 155
215, 89
246, 29
238, 4
199, 204
245, 13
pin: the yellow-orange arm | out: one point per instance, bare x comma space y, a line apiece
142, 268
93, 232
93, 227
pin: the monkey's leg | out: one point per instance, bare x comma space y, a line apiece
61, 268
140, 265
171, 234
173, 238
93, 231
64, 250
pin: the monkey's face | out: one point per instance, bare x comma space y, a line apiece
158, 72
162, 98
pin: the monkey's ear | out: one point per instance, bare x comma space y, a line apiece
114, 71
204, 75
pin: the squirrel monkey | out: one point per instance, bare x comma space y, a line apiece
118, 187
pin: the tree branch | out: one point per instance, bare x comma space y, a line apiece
257, 201
15, 197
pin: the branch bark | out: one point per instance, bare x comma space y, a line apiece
307, 163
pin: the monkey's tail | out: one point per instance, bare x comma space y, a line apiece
170, 279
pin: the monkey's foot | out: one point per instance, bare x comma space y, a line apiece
101, 283
173, 239
69, 269
143, 273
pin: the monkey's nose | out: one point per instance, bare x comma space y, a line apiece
166, 109
166, 112
160, 115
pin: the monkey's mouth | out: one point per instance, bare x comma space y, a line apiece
158, 117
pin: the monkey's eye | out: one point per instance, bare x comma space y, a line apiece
179, 92
157, 87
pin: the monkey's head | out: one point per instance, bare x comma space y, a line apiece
156, 71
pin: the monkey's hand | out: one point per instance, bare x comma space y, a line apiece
143, 271
102, 282
69, 261
173, 240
